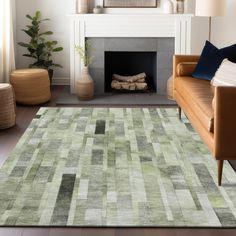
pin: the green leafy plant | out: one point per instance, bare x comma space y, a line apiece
39, 48
85, 53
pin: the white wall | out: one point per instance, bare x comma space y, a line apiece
223, 30
57, 11
199, 34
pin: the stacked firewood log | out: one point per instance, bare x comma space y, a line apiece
135, 82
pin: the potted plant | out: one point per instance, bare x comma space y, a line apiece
39, 47
85, 84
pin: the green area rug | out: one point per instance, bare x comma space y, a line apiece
114, 167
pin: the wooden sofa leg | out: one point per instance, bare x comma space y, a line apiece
180, 112
220, 171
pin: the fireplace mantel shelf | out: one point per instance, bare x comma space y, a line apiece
92, 16
177, 26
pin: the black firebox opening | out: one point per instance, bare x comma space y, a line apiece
131, 63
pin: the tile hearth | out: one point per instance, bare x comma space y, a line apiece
115, 99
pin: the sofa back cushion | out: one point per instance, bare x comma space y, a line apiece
210, 60
225, 75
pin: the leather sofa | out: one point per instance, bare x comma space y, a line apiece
211, 111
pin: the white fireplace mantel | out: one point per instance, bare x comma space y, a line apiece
126, 25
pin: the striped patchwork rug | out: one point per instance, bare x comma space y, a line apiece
114, 167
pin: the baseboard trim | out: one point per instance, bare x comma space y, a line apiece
61, 81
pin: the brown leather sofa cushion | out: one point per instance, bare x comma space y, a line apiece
198, 95
186, 68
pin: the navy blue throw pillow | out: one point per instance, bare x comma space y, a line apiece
210, 60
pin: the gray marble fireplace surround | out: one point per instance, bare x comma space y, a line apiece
164, 47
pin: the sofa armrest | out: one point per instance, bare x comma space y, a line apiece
185, 68
177, 59
225, 123
189, 61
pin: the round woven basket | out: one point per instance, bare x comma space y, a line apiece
7, 106
170, 89
31, 86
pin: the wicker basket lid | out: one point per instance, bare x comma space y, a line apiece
4, 86
29, 72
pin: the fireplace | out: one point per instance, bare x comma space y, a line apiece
129, 57
129, 64
161, 33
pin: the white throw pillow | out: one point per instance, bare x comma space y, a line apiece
225, 75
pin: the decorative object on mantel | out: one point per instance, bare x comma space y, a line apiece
168, 7
132, 83
85, 85
180, 6
210, 8
98, 10
189, 6
39, 48
174, 6
82, 7
130, 3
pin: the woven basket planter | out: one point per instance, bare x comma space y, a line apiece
7, 106
31, 86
